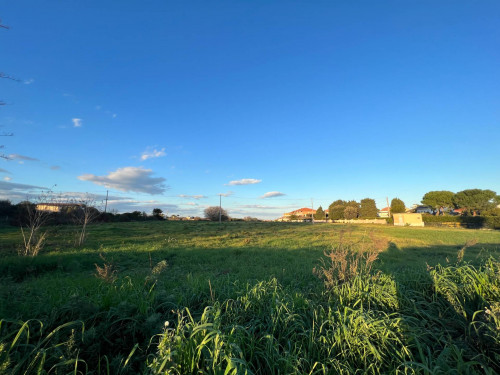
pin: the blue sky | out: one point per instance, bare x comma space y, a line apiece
167, 104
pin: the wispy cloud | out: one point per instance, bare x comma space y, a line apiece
55, 167
126, 179
18, 192
191, 196
128, 205
11, 186
29, 81
272, 194
244, 181
263, 207
77, 122
21, 157
7, 178
150, 154
228, 194
4, 170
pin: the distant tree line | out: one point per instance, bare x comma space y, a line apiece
471, 201
17, 214
340, 209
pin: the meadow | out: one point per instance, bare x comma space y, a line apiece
163, 297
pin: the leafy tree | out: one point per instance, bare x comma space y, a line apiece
368, 208
6, 209
212, 213
474, 200
293, 217
397, 206
320, 214
336, 210
438, 199
350, 212
355, 208
158, 213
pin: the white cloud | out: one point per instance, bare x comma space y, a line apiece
55, 167
191, 204
244, 181
126, 179
98, 107
77, 122
29, 81
7, 178
21, 157
148, 154
191, 196
272, 194
114, 115
228, 194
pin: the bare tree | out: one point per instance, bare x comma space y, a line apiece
84, 213
212, 213
32, 220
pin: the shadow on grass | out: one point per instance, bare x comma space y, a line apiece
442, 301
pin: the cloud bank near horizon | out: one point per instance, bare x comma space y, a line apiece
186, 196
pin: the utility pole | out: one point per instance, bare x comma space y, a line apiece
106, 205
220, 208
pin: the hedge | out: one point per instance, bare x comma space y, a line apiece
492, 222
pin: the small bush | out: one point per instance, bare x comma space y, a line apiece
348, 259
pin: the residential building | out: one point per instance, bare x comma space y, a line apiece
384, 212
57, 207
300, 214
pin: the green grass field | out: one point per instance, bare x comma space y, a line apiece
198, 297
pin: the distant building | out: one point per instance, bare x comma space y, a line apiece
412, 220
300, 214
423, 210
384, 212
57, 207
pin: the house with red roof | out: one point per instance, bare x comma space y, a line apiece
300, 214
384, 212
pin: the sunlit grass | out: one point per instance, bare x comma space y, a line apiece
242, 297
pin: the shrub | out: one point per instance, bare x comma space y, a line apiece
348, 259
